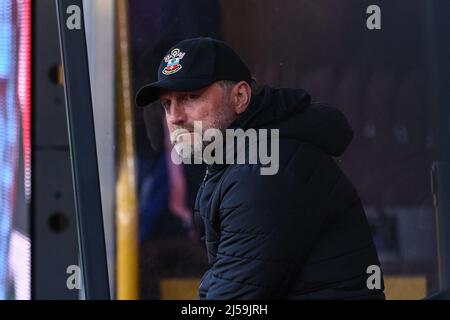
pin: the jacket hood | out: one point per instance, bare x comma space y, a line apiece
291, 111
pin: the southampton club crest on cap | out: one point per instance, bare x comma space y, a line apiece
173, 62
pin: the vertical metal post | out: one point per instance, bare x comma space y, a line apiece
127, 244
439, 26
83, 148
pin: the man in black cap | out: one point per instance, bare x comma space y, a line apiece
300, 233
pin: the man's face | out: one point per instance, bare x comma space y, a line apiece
210, 105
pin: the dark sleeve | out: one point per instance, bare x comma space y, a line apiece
264, 236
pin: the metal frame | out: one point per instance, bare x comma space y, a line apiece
438, 29
83, 153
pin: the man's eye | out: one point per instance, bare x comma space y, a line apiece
193, 96
165, 105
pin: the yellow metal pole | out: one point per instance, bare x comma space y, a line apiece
126, 195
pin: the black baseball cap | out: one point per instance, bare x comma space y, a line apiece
193, 64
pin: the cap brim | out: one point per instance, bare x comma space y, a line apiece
150, 92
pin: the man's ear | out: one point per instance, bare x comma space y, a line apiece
242, 94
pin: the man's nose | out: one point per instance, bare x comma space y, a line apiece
177, 115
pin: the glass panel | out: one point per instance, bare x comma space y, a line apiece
378, 78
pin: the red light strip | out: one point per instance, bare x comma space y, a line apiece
24, 87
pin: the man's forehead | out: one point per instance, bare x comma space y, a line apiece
167, 93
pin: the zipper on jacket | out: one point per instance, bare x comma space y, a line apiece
206, 176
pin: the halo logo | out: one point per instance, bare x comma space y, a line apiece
173, 62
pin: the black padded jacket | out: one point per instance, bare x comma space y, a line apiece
298, 234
